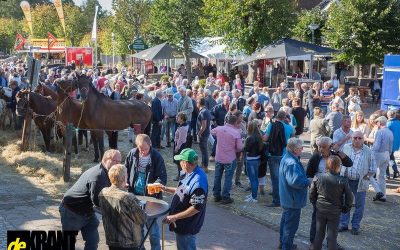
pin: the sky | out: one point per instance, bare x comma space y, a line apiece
106, 4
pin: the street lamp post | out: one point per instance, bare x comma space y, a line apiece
313, 27
113, 45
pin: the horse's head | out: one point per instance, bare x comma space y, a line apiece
22, 98
39, 88
65, 86
83, 83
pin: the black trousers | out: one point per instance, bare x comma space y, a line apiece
326, 222
156, 134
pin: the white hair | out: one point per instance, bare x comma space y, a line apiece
294, 143
382, 120
324, 140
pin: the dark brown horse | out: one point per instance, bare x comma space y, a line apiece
69, 110
47, 91
43, 109
104, 113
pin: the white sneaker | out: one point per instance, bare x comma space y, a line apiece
248, 196
250, 199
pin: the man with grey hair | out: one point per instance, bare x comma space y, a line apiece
382, 148
343, 134
334, 118
293, 186
238, 99
210, 102
358, 177
157, 117
169, 106
317, 166
185, 104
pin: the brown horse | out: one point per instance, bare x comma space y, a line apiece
103, 113
69, 110
43, 112
47, 91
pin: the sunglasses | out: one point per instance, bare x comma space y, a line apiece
358, 138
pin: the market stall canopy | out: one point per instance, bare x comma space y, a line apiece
163, 51
290, 49
213, 47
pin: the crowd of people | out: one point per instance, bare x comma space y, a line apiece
242, 133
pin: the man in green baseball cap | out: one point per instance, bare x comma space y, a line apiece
188, 206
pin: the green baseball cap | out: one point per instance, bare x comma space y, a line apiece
188, 155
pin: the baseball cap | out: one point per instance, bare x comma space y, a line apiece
188, 155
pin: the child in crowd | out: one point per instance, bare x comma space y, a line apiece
181, 138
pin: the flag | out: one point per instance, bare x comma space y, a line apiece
51, 40
94, 29
60, 12
19, 42
26, 8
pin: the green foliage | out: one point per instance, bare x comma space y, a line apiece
364, 30
301, 30
247, 25
74, 27
178, 22
45, 19
9, 27
11, 9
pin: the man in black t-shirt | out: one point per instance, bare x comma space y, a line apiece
76, 208
203, 124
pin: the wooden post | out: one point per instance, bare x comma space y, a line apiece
26, 131
69, 130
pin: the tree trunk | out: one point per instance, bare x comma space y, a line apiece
186, 55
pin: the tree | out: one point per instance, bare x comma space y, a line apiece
44, 20
178, 22
247, 25
131, 19
301, 30
11, 9
9, 27
364, 30
75, 27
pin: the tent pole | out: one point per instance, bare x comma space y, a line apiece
310, 70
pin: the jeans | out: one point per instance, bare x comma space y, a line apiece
382, 163
394, 166
229, 169
169, 129
289, 224
214, 147
359, 210
71, 221
154, 234
326, 222
252, 173
273, 163
185, 241
313, 224
204, 150
194, 128
239, 167
155, 134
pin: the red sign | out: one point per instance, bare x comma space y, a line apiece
51, 40
80, 55
19, 42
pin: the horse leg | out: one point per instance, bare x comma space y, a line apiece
75, 143
147, 129
80, 137
46, 137
85, 133
95, 145
101, 144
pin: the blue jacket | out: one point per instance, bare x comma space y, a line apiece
293, 182
156, 109
394, 126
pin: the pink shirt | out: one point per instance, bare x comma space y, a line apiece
229, 142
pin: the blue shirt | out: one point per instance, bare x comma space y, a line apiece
394, 126
204, 114
191, 191
262, 99
177, 96
170, 108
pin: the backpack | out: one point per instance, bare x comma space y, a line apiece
276, 139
